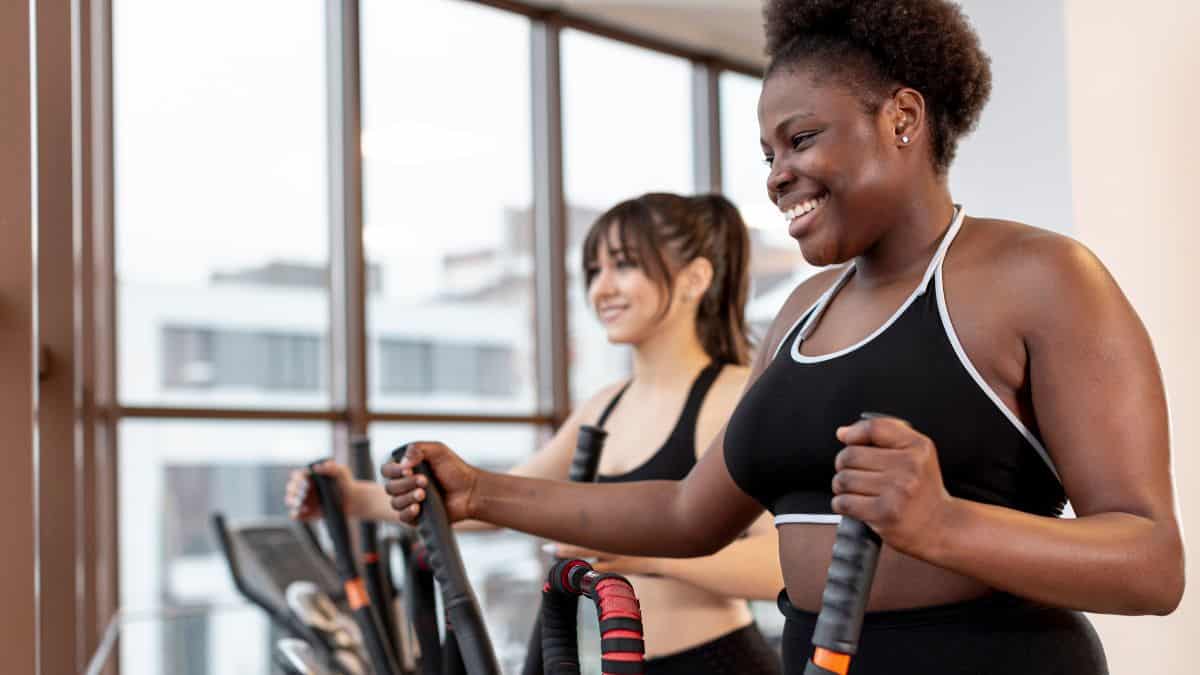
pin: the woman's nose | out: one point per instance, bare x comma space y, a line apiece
778, 181
601, 285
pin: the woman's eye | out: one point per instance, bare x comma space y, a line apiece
626, 264
800, 139
798, 143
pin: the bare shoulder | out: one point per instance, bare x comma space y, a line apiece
589, 411
1009, 244
727, 388
732, 378
1037, 276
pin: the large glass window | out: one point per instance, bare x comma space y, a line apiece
220, 173
626, 131
776, 264
448, 207
173, 475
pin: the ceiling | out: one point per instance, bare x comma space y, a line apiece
730, 28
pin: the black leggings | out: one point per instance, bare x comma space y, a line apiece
998, 634
743, 652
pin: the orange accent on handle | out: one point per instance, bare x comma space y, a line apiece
369, 558
832, 661
356, 594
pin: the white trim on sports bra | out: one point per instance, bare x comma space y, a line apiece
952, 335
827, 298
808, 518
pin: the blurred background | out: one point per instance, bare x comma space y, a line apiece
243, 232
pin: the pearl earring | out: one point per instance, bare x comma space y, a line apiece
904, 140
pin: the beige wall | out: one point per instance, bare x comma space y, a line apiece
1134, 71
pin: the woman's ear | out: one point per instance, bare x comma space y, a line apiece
695, 278
906, 116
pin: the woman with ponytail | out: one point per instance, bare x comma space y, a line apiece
666, 275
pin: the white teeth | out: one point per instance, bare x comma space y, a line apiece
805, 207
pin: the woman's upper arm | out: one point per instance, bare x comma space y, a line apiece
1096, 387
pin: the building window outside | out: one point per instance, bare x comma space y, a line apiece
447, 207
205, 358
409, 366
220, 175
405, 366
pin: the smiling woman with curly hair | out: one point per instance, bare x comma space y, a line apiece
1013, 372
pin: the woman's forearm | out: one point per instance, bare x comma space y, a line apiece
369, 501
1116, 563
629, 518
747, 568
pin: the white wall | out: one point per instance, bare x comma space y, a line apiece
1135, 158
1017, 164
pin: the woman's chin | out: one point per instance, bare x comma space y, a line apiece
616, 336
815, 257
818, 253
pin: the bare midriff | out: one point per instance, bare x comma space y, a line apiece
901, 582
677, 616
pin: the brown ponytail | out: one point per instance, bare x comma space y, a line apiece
658, 226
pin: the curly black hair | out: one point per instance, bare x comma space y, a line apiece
875, 45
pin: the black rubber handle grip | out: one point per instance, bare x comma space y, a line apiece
622, 645
420, 600
847, 588
586, 460
360, 459
453, 662
458, 600
844, 602
378, 646
335, 522
368, 535
559, 648
533, 650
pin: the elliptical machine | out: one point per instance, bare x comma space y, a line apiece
281, 568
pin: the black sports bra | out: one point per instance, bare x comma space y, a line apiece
677, 455
780, 444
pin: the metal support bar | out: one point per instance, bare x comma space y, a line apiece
347, 329
706, 127
549, 221
100, 281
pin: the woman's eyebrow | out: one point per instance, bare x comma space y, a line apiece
786, 121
